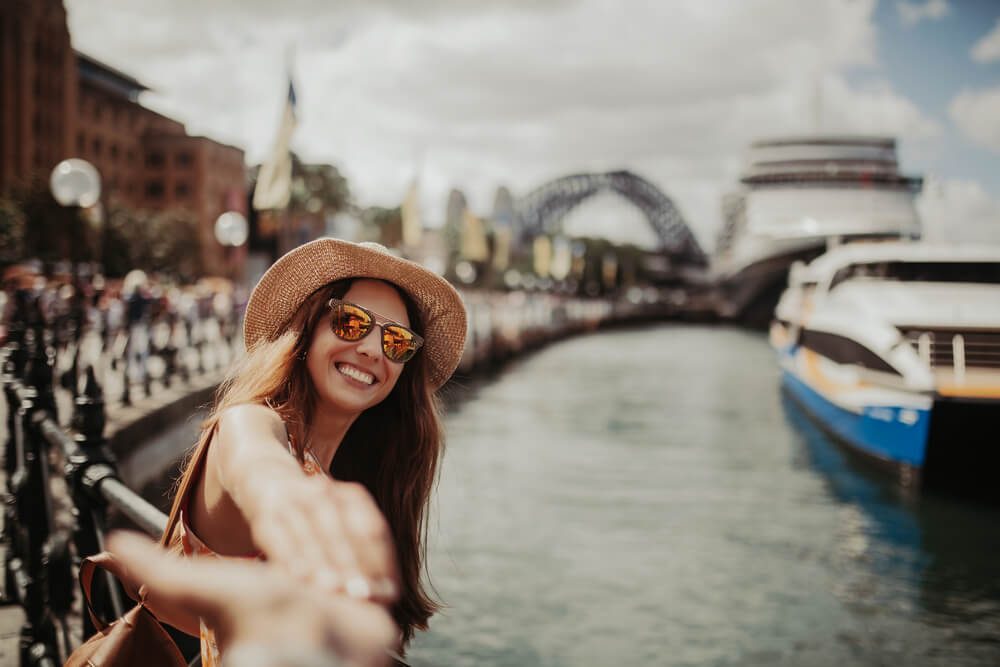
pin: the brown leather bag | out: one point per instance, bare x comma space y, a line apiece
136, 638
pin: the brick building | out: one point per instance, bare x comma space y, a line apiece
57, 103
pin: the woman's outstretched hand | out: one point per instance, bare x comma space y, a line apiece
330, 534
252, 603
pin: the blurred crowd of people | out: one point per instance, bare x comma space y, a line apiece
132, 317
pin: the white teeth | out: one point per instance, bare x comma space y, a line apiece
352, 372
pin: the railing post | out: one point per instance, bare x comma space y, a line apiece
169, 352
89, 465
34, 519
78, 317
39, 373
126, 380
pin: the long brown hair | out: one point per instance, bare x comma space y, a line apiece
392, 448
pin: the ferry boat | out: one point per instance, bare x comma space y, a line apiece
796, 193
894, 348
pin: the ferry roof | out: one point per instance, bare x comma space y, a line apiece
827, 140
871, 252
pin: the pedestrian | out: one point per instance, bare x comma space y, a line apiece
325, 438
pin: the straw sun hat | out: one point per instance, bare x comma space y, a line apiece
302, 271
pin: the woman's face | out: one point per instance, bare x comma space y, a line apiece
352, 377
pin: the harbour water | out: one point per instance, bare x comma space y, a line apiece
648, 497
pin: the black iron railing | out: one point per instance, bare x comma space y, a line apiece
43, 549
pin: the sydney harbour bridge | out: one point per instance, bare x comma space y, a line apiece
545, 210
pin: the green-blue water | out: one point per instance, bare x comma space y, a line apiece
647, 497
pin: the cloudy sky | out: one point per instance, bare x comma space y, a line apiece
481, 93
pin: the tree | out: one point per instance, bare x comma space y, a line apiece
163, 242
384, 225
53, 232
11, 233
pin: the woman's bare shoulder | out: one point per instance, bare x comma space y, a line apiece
251, 417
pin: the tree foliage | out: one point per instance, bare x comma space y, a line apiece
53, 232
164, 242
11, 232
384, 225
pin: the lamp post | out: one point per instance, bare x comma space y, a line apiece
231, 231
77, 183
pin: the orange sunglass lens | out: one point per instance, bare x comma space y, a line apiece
351, 323
398, 343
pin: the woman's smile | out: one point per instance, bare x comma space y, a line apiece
356, 375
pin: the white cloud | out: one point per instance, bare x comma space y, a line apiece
874, 109
912, 13
976, 113
959, 211
987, 49
507, 92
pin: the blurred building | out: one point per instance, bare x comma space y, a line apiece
57, 103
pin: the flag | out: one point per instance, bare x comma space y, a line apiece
474, 245
274, 180
412, 227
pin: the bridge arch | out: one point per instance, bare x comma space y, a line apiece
543, 209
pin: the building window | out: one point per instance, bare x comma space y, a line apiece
96, 147
154, 159
81, 143
114, 151
182, 190
130, 156
184, 159
154, 189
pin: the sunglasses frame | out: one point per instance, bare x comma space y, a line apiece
377, 321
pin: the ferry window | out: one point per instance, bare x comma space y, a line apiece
946, 272
877, 270
843, 350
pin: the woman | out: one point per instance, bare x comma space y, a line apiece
346, 345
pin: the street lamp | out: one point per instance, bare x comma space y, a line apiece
75, 182
231, 231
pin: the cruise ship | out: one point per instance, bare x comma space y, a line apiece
894, 348
796, 195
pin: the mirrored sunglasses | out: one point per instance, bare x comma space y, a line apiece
351, 322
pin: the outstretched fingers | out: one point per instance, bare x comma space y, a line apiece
332, 535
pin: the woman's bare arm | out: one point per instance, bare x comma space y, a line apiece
247, 457
250, 438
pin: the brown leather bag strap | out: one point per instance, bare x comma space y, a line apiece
184, 489
88, 568
91, 564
